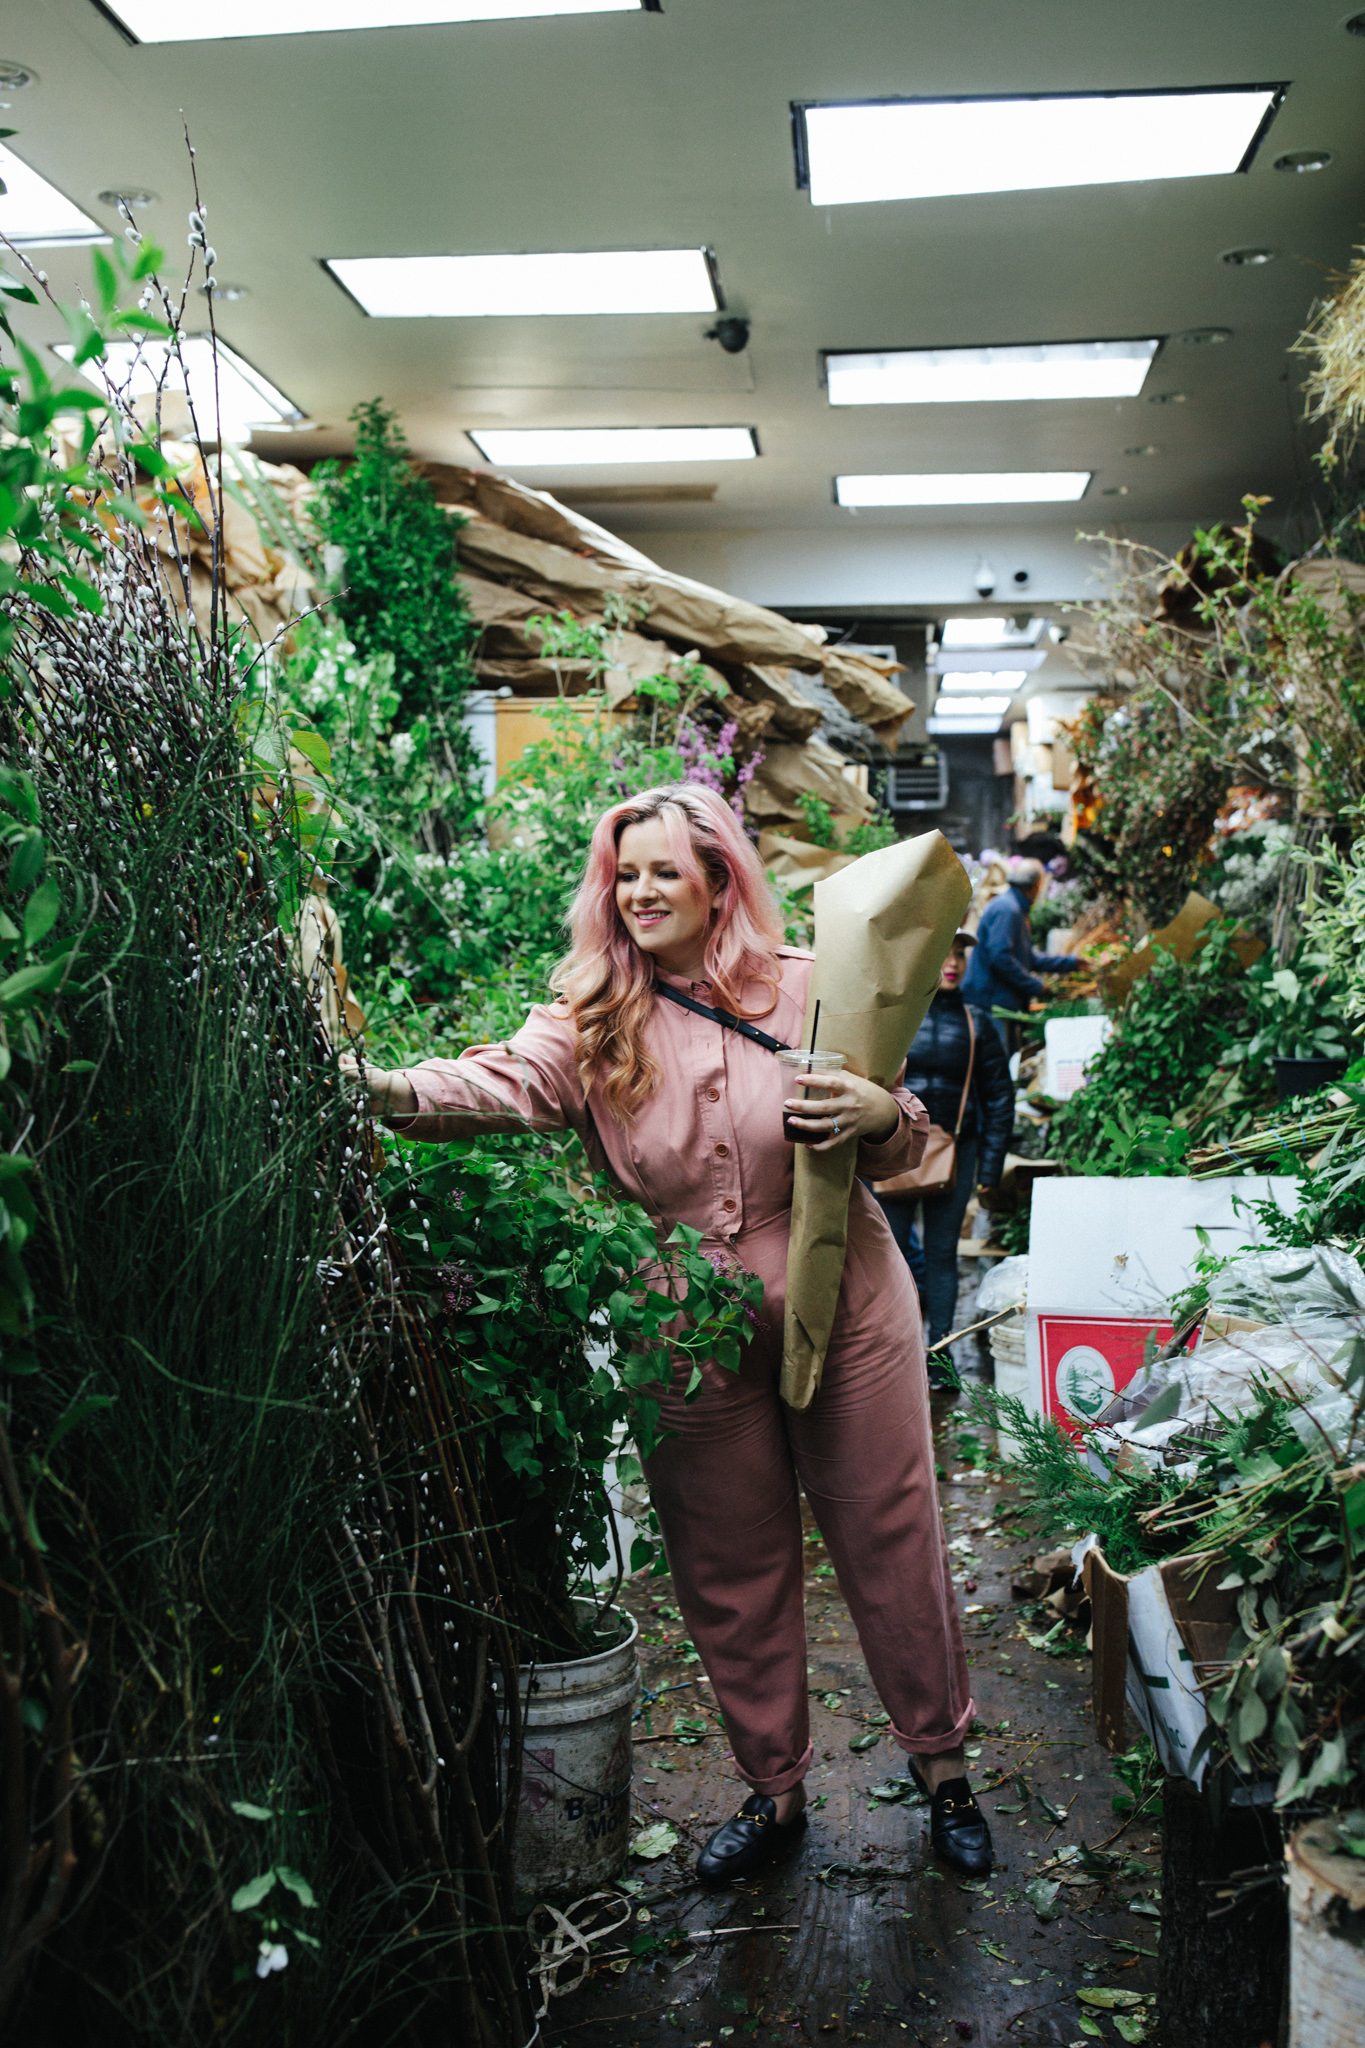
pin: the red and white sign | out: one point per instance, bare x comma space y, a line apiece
1088, 1359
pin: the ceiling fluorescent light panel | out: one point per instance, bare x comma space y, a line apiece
34, 213
978, 679
1009, 487
928, 149
973, 376
248, 399
972, 707
957, 635
202, 21
568, 447
955, 660
518, 286
961, 728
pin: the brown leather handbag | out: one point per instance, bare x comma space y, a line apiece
936, 1173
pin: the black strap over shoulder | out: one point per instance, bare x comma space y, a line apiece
725, 1017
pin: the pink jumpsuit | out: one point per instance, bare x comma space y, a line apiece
707, 1150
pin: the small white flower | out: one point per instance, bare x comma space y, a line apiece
401, 747
272, 1955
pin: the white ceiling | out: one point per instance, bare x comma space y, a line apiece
673, 129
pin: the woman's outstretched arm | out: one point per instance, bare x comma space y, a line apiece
529, 1083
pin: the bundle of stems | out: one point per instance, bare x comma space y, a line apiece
256, 1685
1268, 1139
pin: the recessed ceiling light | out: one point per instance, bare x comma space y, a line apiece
482, 287
1167, 398
923, 149
35, 212
967, 376
568, 447
247, 399
15, 77
1143, 448
1206, 337
1114, 491
133, 196
958, 634
171, 21
1302, 160
997, 487
1248, 259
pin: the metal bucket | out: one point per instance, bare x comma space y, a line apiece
573, 1823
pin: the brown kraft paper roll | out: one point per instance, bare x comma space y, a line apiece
882, 932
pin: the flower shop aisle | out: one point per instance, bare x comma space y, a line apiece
861, 1935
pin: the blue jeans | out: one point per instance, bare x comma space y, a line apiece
934, 1267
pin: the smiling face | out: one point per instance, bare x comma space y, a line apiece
664, 914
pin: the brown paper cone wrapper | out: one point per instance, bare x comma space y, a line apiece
882, 932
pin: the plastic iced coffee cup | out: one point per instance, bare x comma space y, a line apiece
820, 1064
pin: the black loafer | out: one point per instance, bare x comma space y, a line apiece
748, 1841
957, 1826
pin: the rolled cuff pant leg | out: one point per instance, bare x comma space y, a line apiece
725, 1492
864, 1450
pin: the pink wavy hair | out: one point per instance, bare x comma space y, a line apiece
608, 983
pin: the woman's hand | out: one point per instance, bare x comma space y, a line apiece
842, 1108
391, 1094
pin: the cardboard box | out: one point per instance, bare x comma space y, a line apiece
1105, 1257
1158, 1637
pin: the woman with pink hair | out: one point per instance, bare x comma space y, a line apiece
650, 1053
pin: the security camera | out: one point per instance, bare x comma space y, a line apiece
732, 333
985, 581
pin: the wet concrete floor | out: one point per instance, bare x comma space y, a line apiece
861, 1935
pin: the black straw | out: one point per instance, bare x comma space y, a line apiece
815, 1024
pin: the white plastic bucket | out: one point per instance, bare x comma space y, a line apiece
573, 1822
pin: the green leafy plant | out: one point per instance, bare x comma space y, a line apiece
868, 837
1295, 1011
398, 594
565, 1315
214, 1389
1171, 1060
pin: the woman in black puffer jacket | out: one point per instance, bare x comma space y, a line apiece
935, 1070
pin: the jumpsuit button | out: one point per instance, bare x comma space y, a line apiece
722, 1151
727, 1203
713, 1095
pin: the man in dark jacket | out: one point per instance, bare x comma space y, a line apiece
1004, 969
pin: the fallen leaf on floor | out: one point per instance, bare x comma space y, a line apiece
1145, 1908
659, 1840
1090, 2027
894, 1788
1056, 1813
1041, 1893
1112, 2001
1132, 2026
868, 1741
993, 1948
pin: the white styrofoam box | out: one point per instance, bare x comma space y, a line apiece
1070, 1044
1105, 1257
